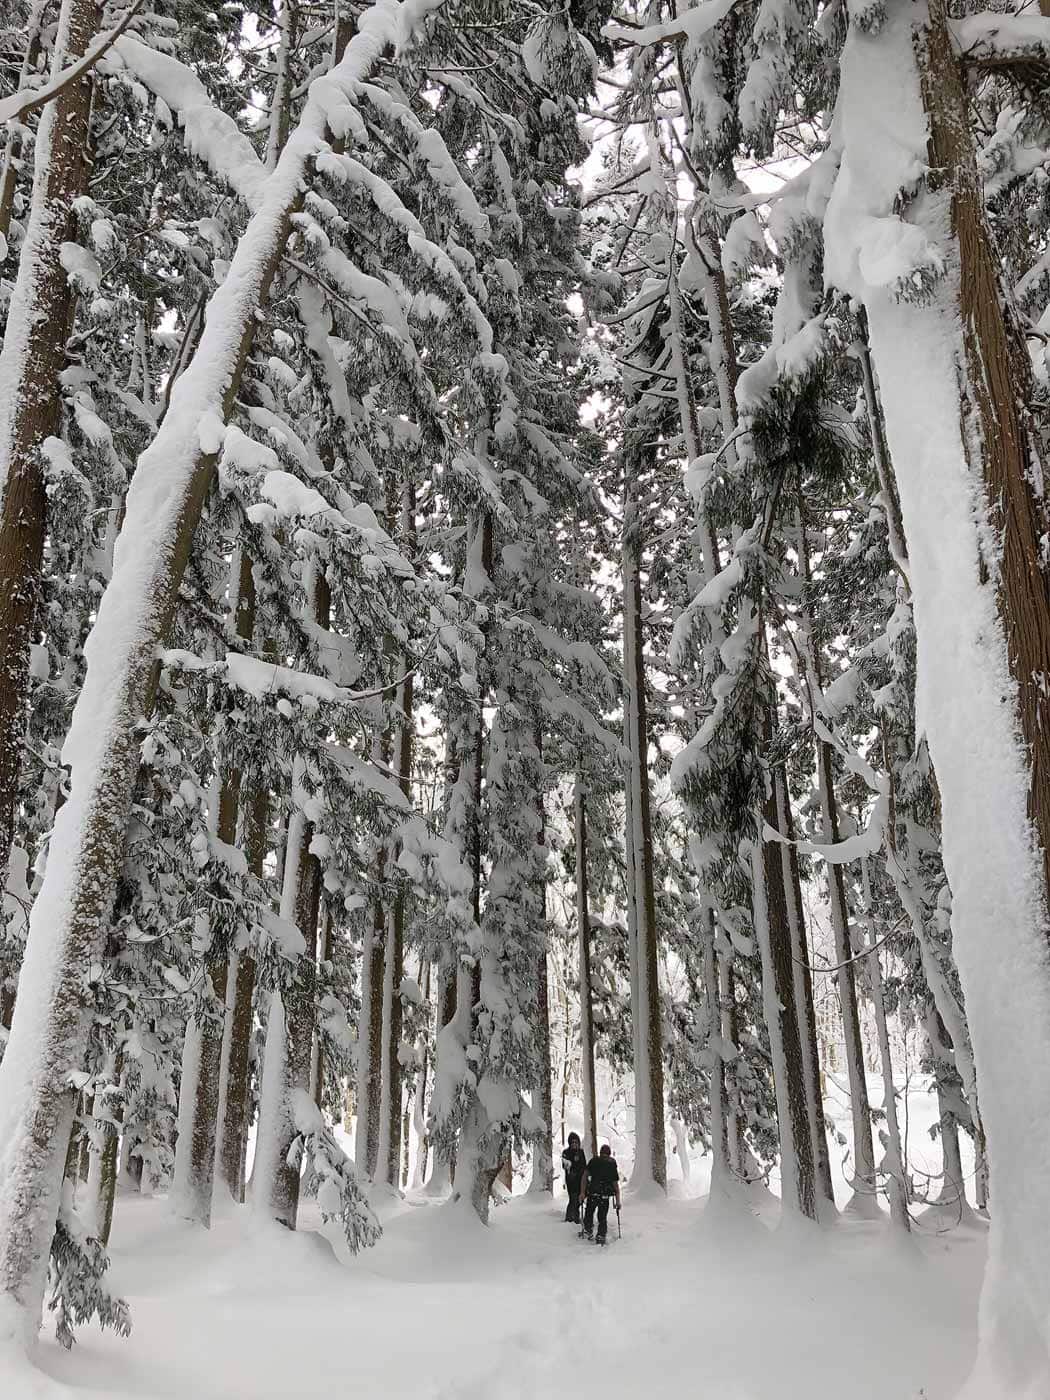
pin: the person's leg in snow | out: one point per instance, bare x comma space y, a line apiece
603, 1217
588, 1214
572, 1210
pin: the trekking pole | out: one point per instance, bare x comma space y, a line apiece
619, 1231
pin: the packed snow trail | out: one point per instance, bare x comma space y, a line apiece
445, 1309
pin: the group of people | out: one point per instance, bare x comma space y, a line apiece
591, 1184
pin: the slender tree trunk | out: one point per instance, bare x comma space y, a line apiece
864, 1193
543, 1102
727, 1003
289, 1034
583, 926
650, 1152
864, 1199
803, 987
719, 1102
440, 1180
773, 929
108, 1158
370, 1042
31, 362
419, 1101
893, 1164
475, 1169
203, 1059
290, 1029
240, 1021
390, 1138
324, 956
389, 1145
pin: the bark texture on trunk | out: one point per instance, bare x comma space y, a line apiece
803, 986
233, 1145
370, 1044
31, 363
543, 1145
997, 387
651, 1159
773, 926
390, 1143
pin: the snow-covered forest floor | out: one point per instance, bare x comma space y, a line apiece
525, 1309
690, 1302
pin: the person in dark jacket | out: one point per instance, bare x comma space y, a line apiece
600, 1186
574, 1164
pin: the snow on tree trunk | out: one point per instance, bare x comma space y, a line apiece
583, 933
893, 1166
289, 1034
164, 503
233, 1141
206, 1091
950, 381
279, 1126
439, 1182
31, 362
864, 1200
542, 1178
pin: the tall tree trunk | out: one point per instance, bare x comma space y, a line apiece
289, 1034
803, 987
440, 1180
717, 1095
292, 1010
650, 1165
475, 1169
324, 956
105, 1183
370, 1041
543, 1102
419, 1100
967, 478
390, 1137
202, 1113
864, 1193
773, 930
893, 1164
233, 1146
583, 931
31, 363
